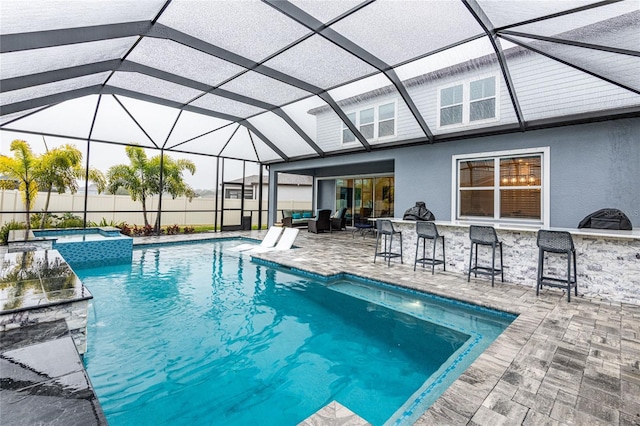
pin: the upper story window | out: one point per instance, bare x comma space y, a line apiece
366, 123
508, 185
347, 135
468, 102
451, 105
387, 120
373, 122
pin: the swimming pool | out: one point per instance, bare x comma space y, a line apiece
223, 340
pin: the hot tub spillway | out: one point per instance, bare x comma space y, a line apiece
90, 247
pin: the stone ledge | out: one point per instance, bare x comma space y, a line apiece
334, 414
44, 380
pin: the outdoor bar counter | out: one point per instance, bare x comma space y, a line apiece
608, 261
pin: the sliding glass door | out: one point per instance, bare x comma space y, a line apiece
383, 196
344, 197
365, 197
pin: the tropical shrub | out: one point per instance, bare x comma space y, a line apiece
140, 231
69, 220
9, 226
124, 229
189, 230
49, 219
104, 223
173, 230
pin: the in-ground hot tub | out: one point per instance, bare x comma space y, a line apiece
89, 247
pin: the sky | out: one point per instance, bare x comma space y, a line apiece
113, 126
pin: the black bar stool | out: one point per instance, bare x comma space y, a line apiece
484, 236
428, 231
385, 228
559, 242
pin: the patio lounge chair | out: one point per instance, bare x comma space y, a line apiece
285, 243
321, 223
268, 241
339, 220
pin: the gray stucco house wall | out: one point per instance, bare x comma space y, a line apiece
592, 166
586, 166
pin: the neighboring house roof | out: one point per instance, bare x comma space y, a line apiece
283, 179
92, 188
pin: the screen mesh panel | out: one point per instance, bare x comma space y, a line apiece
558, 90
520, 11
148, 85
191, 125
397, 31
113, 124
17, 16
225, 61
156, 120
210, 143
184, 61
274, 128
320, 62
52, 88
56, 119
54, 58
229, 23
263, 88
226, 106
325, 10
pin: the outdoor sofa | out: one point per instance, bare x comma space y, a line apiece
294, 218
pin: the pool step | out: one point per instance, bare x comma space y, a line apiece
332, 414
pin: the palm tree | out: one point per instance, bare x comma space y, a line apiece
172, 181
133, 177
60, 168
141, 178
22, 169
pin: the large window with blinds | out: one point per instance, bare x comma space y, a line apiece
509, 185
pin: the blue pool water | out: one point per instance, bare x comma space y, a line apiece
194, 334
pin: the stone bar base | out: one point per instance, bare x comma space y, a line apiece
608, 262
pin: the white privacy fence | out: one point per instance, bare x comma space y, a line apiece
120, 208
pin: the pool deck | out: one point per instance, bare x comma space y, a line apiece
558, 363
